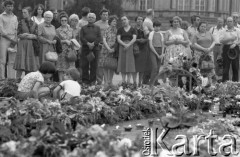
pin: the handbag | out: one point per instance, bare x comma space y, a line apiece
71, 55
90, 57
206, 63
110, 63
51, 56
135, 49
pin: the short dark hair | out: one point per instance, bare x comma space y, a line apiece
29, 9
138, 17
111, 18
194, 18
156, 23
74, 73
85, 11
47, 68
104, 11
8, 2
203, 22
35, 13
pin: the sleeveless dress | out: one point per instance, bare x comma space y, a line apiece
173, 51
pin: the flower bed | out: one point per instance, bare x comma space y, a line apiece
52, 128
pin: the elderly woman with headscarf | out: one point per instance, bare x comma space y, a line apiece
46, 34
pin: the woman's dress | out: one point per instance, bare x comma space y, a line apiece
27, 57
46, 31
64, 34
174, 51
126, 60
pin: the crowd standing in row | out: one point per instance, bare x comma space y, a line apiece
99, 49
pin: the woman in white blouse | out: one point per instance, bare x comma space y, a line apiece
38, 14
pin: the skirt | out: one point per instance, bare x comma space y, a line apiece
126, 61
25, 58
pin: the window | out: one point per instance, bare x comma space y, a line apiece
150, 4
200, 6
142, 5
147, 4
183, 4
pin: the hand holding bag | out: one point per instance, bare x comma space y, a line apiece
90, 57
207, 63
71, 55
52, 56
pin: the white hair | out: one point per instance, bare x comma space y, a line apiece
92, 14
48, 13
74, 17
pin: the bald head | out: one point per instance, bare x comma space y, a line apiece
91, 17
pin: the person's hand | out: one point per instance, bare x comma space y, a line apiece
126, 46
111, 50
13, 41
233, 46
54, 41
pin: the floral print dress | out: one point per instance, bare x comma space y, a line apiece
64, 34
173, 51
111, 36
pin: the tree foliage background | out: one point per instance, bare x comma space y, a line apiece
96, 5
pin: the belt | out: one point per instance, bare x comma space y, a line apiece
218, 44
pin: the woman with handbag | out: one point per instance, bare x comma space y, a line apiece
107, 61
28, 46
46, 35
126, 37
65, 33
203, 55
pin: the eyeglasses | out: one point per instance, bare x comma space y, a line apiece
63, 20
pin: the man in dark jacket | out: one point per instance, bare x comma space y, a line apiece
90, 36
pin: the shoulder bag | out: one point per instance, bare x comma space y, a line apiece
71, 55
52, 56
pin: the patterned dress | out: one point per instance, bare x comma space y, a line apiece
64, 34
173, 51
111, 36
46, 32
26, 58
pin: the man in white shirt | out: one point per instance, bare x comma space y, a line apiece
215, 31
230, 40
148, 20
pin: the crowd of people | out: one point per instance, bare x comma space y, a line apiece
56, 46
